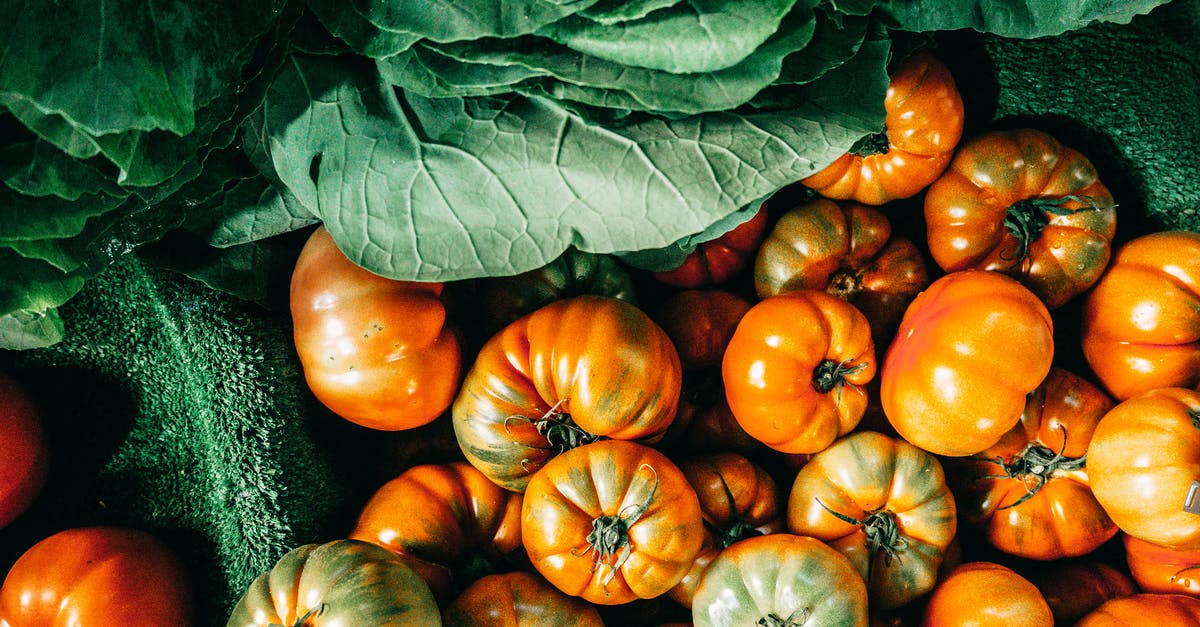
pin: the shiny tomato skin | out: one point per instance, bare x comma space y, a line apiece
924, 122
97, 576
1073, 588
1141, 322
718, 260
588, 365
869, 485
795, 368
342, 582
1029, 492
1161, 569
611, 522
1144, 462
518, 599
26, 457
968, 351
375, 351
574, 273
986, 594
462, 515
1160, 610
983, 213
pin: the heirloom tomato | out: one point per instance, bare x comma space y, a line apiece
700, 323
1144, 466
1029, 492
375, 351
611, 521
738, 500
780, 580
1141, 323
97, 576
571, 372
884, 504
343, 582
24, 463
848, 251
968, 351
986, 594
443, 520
924, 121
574, 273
1021, 203
1159, 610
518, 599
795, 368
1160, 569
716, 261
1073, 588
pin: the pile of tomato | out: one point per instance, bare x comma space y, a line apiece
816, 420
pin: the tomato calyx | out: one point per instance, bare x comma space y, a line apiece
883, 535
1026, 218
830, 374
739, 530
303, 620
1195, 415
608, 541
1037, 464
795, 619
556, 427
873, 144
846, 283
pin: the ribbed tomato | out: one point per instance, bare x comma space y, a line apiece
884, 504
443, 520
1141, 323
986, 594
24, 463
720, 259
848, 251
1073, 588
968, 351
1161, 610
1029, 491
343, 582
611, 521
1162, 569
518, 599
1019, 202
377, 352
795, 368
700, 324
571, 372
778, 580
1144, 466
924, 121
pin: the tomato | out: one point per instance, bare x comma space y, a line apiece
1073, 588
574, 273
795, 368
1144, 466
777, 580
518, 599
1141, 323
704, 422
1160, 569
883, 503
1019, 202
700, 324
968, 351
25, 460
462, 519
343, 582
1029, 491
611, 521
924, 121
570, 372
97, 576
738, 500
986, 594
848, 251
375, 351
718, 260
1161, 610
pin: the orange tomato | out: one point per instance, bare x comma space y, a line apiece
1160, 569
375, 351
1160, 610
1141, 322
924, 122
968, 351
986, 594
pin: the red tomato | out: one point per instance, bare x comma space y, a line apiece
700, 323
1074, 588
97, 576
24, 462
718, 260
377, 352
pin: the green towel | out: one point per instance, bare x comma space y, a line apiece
181, 410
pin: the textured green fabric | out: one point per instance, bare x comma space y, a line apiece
182, 410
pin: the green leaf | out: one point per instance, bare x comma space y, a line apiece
22, 330
691, 36
615, 11
38, 168
836, 40
1016, 18
447, 189
52, 128
33, 285
672, 256
352, 27
24, 218
257, 271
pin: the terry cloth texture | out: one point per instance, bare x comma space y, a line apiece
180, 410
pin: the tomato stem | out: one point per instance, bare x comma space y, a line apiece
557, 428
873, 144
740, 529
831, 374
303, 620
795, 619
846, 283
1038, 464
1026, 219
882, 532
608, 541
